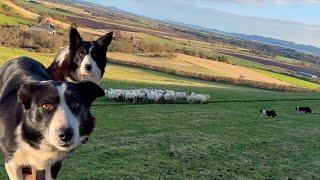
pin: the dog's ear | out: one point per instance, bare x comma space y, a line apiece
75, 39
88, 92
25, 94
105, 40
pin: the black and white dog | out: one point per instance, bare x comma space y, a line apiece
306, 110
82, 60
42, 121
268, 113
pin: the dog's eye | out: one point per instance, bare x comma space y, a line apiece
47, 106
75, 105
82, 54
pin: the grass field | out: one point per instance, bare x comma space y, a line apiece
10, 53
290, 80
12, 21
197, 65
225, 139
293, 61
42, 8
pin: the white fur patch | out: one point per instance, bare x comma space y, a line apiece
39, 158
62, 55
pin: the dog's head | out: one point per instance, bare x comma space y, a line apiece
296, 108
88, 57
58, 113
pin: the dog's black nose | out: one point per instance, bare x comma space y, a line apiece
88, 67
66, 134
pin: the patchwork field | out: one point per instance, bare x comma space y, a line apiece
215, 68
224, 139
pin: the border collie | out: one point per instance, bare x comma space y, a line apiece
42, 121
82, 60
306, 110
268, 113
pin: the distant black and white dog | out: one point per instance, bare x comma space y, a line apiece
42, 121
306, 110
268, 113
82, 60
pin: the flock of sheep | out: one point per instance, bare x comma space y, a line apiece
155, 96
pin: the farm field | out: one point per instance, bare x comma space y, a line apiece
41, 8
197, 65
289, 79
275, 64
225, 139
185, 64
7, 20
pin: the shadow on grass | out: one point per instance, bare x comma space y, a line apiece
265, 100
211, 102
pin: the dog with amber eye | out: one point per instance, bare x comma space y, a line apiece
42, 121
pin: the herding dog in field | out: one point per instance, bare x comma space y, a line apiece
42, 121
82, 60
306, 110
268, 113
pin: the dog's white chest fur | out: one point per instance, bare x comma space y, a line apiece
40, 158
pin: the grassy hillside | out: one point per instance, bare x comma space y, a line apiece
290, 80
41, 8
182, 64
225, 139
12, 21
10, 53
197, 65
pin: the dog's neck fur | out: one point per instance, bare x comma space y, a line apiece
62, 67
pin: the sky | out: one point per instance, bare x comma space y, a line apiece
292, 20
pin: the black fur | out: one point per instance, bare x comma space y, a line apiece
306, 110
269, 113
24, 86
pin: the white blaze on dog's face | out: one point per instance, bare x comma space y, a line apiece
58, 113
89, 57
64, 120
89, 70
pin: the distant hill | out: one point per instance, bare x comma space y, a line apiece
266, 40
275, 46
282, 43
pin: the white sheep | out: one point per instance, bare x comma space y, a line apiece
198, 98
130, 96
181, 96
154, 96
169, 97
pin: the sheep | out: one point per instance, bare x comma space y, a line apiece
130, 96
169, 97
194, 98
154, 96
181, 96
141, 96
113, 94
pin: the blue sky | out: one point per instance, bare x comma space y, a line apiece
293, 20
